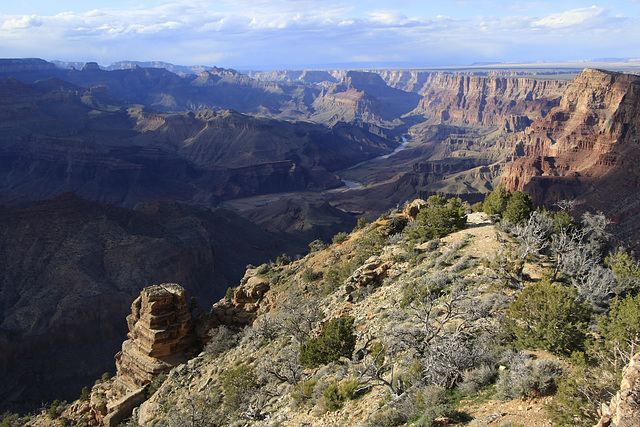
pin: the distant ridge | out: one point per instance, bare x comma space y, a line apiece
125, 65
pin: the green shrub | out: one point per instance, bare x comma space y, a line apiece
229, 294
527, 378
548, 316
396, 224
349, 388
85, 394
335, 394
579, 394
283, 260
336, 275
332, 397
238, 384
52, 412
317, 245
310, 275
340, 238
362, 223
496, 202
620, 330
263, 269
519, 208
304, 390
441, 218
625, 268
336, 340
595, 381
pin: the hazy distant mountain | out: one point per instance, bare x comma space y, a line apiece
125, 65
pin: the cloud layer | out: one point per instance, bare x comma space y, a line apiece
281, 33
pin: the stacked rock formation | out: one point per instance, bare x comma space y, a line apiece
161, 331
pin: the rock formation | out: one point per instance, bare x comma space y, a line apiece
586, 149
474, 100
363, 96
242, 309
623, 410
161, 336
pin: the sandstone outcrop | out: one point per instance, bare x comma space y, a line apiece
623, 410
242, 309
371, 273
586, 149
413, 209
161, 336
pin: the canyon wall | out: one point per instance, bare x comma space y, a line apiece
486, 101
586, 149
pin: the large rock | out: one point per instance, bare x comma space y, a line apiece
160, 330
242, 309
161, 336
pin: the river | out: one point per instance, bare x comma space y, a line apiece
351, 184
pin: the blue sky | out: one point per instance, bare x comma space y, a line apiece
298, 33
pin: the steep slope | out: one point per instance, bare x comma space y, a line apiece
586, 149
290, 306
70, 268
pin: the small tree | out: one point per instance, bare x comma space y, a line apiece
496, 202
620, 330
442, 217
336, 340
548, 316
362, 223
238, 384
518, 208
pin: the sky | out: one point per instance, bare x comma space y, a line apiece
264, 34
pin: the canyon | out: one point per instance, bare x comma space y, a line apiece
111, 181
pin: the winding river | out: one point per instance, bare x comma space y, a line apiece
351, 184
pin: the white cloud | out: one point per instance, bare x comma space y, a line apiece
572, 18
245, 32
22, 23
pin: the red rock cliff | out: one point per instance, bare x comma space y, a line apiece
586, 149
478, 100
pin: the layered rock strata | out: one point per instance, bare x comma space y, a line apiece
161, 333
586, 149
487, 101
